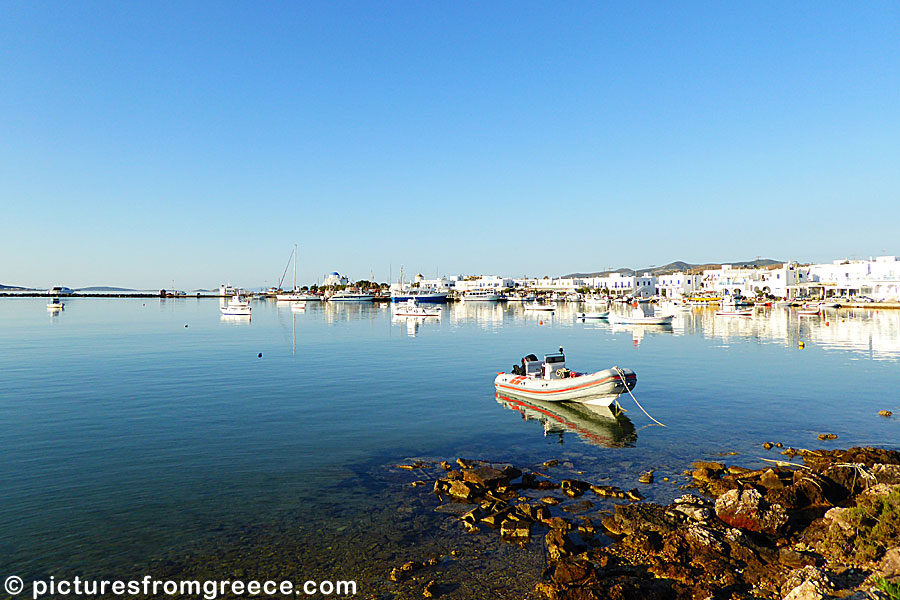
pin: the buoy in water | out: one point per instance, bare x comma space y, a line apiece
185, 326
259, 355
540, 322
801, 345
827, 323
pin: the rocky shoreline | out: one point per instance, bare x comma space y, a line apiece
826, 527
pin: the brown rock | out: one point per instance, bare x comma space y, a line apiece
515, 530
550, 500
559, 545
463, 491
487, 477
445, 465
574, 487
571, 572
558, 523
770, 480
709, 466
827, 436
885, 413
747, 510
646, 477
890, 563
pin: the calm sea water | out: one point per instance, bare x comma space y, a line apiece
129, 428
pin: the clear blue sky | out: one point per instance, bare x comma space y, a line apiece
142, 142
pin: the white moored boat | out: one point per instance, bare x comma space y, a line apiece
345, 296
549, 380
535, 306
593, 315
411, 308
55, 304
237, 307
480, 296
734, 312
637, 317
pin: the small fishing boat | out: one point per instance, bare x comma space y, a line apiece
734, 312
411, 308
592, 315
535, 306
55, 304
808, 312
673, 306
237, 307
596, 301
549, 380
829, 305
345, 296
639, 318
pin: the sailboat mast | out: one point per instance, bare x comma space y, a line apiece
295, 267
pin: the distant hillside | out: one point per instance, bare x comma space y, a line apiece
104, 288
679, 265
12, 287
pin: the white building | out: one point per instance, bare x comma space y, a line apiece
482, 282
621, 285
336, 278
677, 285
878, 278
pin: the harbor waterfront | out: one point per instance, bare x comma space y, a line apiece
159, 436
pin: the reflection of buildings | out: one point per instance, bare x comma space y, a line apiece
873, 333
598, 425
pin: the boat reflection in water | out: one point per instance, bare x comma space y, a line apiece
412, 323
235, 319
605, 426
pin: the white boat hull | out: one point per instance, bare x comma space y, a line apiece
359, 298
734, 313
599, 388
594, 315
236, 312
652, 320
541, 307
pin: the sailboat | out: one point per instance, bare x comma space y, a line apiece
295, 295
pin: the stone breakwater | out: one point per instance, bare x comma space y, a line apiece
828, 527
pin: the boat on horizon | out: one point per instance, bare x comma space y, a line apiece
637, 317
411, 308
347, 296
296, 295
535, 306
237, 307
593, 315
480, 296
430, 296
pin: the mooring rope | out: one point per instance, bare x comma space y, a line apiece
625, 382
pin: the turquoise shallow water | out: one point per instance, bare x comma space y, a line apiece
124, 433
